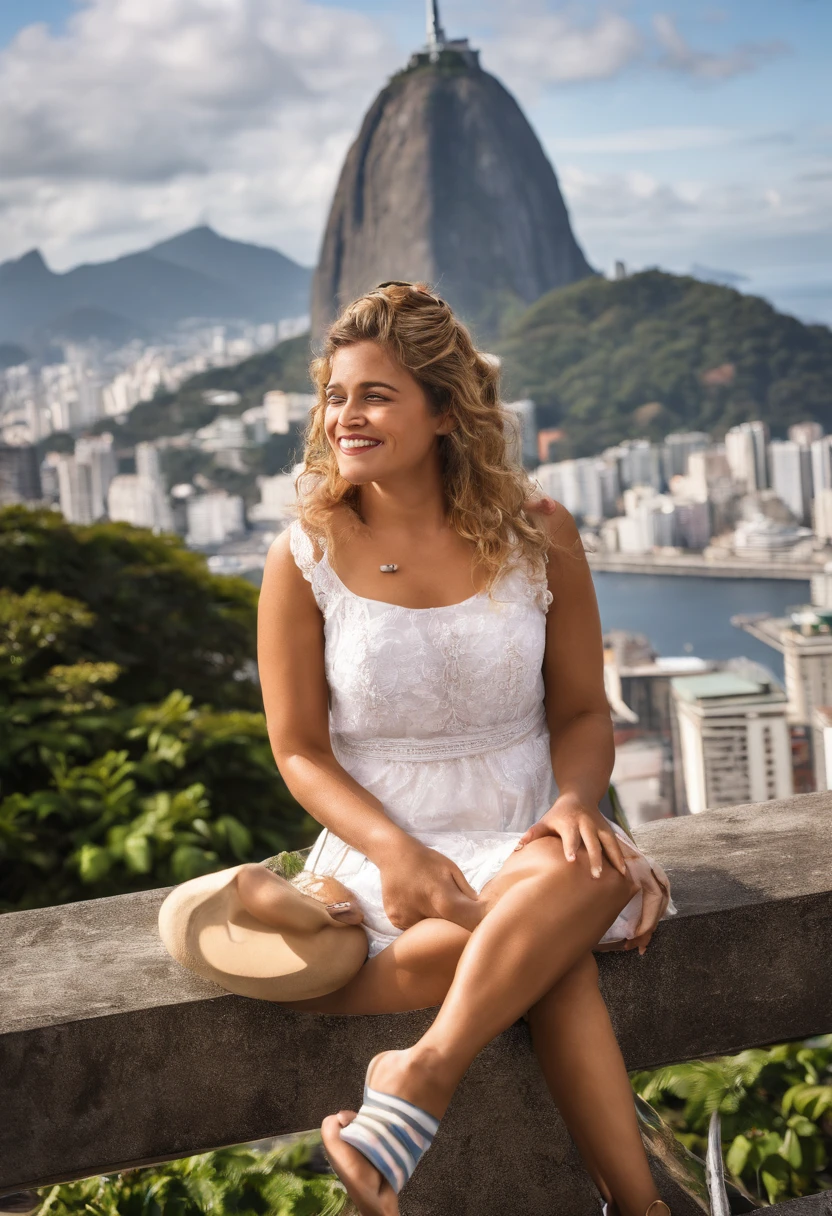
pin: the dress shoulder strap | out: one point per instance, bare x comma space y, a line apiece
533, 579
303, 551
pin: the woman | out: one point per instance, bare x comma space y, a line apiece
432, 672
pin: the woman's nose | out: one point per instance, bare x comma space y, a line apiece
351, 411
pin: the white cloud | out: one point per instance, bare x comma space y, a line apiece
642, 216
538, 47
146, 114
647, 139
679, 56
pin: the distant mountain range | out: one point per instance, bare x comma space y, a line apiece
195, 274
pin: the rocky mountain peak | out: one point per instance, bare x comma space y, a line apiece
447, 182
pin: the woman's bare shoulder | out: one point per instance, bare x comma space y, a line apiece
560, 527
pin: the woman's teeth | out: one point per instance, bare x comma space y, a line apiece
359, 443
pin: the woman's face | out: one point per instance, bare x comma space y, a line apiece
378, 417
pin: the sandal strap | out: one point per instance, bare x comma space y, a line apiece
391, 1133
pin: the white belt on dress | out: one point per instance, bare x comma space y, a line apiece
446, 747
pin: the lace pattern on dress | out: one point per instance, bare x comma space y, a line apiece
324, 581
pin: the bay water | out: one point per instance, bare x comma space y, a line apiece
685, 615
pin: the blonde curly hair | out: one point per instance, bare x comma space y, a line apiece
484, 489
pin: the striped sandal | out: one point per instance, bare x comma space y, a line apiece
392, 1134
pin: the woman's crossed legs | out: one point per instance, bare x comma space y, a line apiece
531, 953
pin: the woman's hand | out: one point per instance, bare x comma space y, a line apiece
543, 505
655, 896
418, 882
577, 823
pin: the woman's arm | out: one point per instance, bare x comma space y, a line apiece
416, 882
577, 712
578, 715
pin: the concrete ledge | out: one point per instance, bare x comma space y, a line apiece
111, 1055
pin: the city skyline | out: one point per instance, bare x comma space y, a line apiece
689, 139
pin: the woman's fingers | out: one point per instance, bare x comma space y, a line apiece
652, 903
533, 833
612, 849
544, 505
589, 835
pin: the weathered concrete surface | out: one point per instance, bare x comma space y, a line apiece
809, 1205
111, 1054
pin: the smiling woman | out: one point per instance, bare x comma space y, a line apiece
453, 740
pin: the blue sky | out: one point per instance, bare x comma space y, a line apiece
686, 134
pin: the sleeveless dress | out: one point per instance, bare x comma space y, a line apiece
439, 713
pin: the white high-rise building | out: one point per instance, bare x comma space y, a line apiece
523, 442
214, 517
84, 479
639, 463
822, 514
745, 449
805, 433
283, 408
587, 487
677, 450
821, 450
277, 498
140, 498
733, 737
791, 476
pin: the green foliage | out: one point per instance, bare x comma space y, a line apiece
243, 1181
285, 366
156, 609
100, 793
775, 1106
596, 354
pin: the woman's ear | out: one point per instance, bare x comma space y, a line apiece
447, 424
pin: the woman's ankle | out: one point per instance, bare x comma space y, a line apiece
417, 1074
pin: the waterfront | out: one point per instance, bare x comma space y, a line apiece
693, 615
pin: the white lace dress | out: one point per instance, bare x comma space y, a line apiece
439, 713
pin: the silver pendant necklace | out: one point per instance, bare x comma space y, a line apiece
389, 569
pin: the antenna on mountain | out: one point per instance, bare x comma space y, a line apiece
436, 35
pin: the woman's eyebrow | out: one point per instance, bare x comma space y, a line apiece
366, 384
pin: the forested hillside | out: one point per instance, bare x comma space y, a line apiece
133, 748
656, 352
605, 361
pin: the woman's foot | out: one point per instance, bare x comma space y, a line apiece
371, 1194
410, 1075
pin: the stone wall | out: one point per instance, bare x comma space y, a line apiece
112, 1055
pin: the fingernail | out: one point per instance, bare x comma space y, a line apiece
519, 846
570, 856
596, 873
343, 904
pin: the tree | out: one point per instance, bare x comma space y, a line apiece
243, 1180
594, 355
101, 795
775, 1106
156, 610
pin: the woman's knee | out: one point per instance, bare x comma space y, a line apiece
547, 857
433, 946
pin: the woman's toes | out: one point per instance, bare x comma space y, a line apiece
371, 1194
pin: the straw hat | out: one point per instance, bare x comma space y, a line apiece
303, 952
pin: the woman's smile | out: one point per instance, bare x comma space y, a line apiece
352, 444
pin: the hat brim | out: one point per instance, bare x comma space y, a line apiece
205, 927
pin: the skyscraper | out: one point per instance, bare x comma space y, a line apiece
791, 476
745, 449
733, 737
